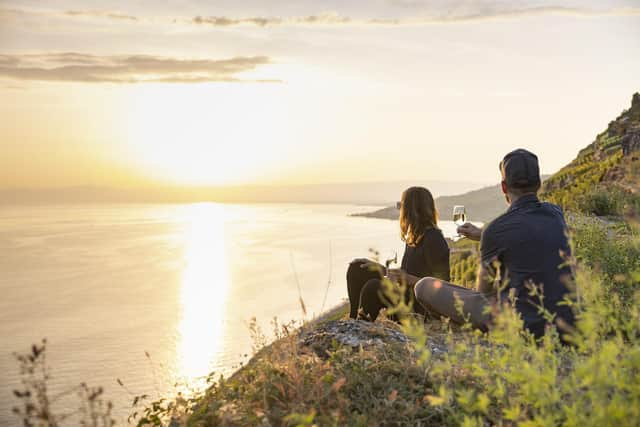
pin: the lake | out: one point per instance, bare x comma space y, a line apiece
109, 284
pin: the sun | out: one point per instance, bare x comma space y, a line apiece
205, 134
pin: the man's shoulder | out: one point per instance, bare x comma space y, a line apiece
511, 217
497, 222
553, 208
510, 214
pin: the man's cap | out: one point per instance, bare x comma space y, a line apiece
520, 169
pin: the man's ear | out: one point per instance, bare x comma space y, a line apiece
504, 187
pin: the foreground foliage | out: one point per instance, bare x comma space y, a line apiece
39, 408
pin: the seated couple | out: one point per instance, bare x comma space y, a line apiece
526, 246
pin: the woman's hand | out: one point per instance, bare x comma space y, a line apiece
367, 264
470, 231
397, 275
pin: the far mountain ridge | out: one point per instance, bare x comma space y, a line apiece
481, 205
355, 193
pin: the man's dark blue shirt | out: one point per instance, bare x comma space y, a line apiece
530, 243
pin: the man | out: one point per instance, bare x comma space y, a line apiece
522, 250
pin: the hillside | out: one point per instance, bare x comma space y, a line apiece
482, 205
604, 179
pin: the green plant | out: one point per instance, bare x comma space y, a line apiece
602, 202
611, 249
37, 406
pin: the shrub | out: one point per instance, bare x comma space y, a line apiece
611, 249
38, 408
505, 378
602, 202
464, 262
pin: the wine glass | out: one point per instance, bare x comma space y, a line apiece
459, 218
390, 261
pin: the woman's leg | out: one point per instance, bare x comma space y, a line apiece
357, 277
439, 297
371, 299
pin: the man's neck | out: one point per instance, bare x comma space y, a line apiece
513, 198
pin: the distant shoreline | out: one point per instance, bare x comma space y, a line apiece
390, 213
482, 205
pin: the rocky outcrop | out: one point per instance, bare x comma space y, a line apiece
357, 334
631, 142
600, 166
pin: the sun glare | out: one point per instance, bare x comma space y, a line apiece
205, 285
205, 134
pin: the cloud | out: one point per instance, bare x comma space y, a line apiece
508, 12
79, 67
7, 14
320, 19
101, 14
446, 17
223, 21
424, 13
309, 20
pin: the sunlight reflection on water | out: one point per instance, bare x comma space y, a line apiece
205, 285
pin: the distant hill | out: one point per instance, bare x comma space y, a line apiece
604, 179
481, 205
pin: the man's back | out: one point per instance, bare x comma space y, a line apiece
530, 243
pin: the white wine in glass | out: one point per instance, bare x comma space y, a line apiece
390, 261
459, 218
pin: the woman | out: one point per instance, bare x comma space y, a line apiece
426, 254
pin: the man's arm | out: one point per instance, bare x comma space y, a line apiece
490, 254
485, 279
470, 231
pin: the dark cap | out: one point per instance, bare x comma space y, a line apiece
520, 169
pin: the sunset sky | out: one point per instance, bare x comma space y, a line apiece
128, 94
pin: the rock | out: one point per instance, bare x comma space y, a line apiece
631, 142
356, 334
351, 333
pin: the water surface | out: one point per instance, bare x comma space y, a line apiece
107, 285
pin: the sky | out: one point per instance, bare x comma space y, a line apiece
129, 94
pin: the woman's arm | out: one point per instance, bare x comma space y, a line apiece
437, 255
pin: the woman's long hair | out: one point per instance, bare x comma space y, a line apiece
417, 214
